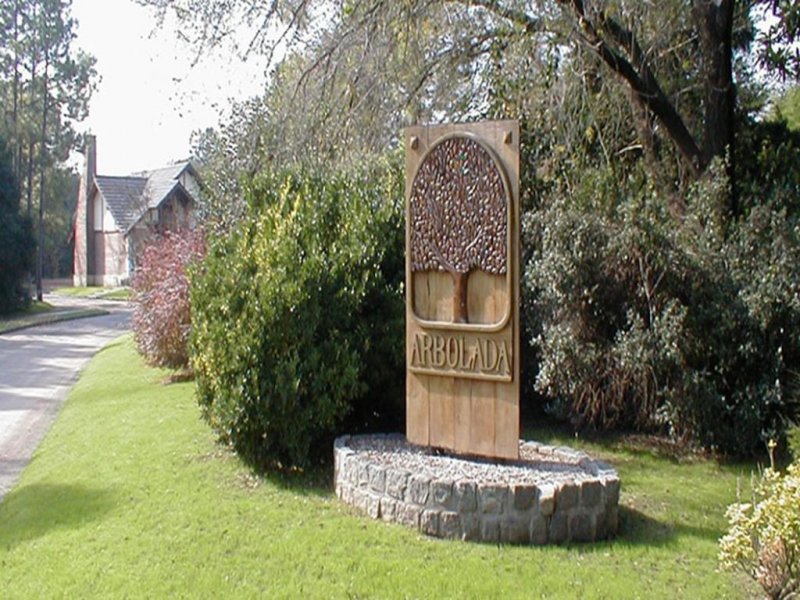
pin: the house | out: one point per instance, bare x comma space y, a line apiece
115, 216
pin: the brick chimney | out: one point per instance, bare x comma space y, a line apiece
81, 257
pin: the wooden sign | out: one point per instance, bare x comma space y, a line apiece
462, 287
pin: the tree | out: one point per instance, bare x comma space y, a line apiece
632, 41
16, 250
49, 84
459, 224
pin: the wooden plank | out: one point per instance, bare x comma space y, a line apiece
417, 406
462, 405
441, 411
482, 417
487, 297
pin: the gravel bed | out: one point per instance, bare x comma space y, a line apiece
538, 464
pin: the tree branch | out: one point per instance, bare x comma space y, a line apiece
642, 81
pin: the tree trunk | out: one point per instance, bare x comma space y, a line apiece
17, 144
714, 23
42, 157
460, 297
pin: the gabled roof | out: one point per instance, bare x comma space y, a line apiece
161, 182
123, 196
129, 198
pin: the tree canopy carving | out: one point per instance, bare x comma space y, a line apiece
459, 216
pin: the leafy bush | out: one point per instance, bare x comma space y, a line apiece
161, 317
643, 320
17, 247
764, 535
298, 315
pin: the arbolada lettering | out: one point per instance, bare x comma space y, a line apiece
462, 354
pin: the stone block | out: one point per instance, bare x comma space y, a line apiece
612, 491
396, 482
465, 496
612, 519
373, 505
591, 494
490, 529
567, 497
524, 496
557, 529
538, 530
515, 530
441, 494
429, 522
418, 489
388, 509
449, 525
351, 470
377, 478
600, 525
470, 526
580, 527
547, 500
359, 499
492, 498
408, 514
363, 475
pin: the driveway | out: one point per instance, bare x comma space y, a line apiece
38, 366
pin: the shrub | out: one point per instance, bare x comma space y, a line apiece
298, 315
161, 317
764, 535
641, 320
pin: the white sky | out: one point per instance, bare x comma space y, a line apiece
150, 99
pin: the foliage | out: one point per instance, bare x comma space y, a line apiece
17, 246
297, 314
161, 317
685, 328
764, 535
787, 108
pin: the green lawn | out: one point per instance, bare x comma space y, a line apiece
40, 313
129, 496
120, 293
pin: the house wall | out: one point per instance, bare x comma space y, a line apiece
81, 259
189, 182
177, 212
110, 250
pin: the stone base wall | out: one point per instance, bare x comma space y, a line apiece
583, 510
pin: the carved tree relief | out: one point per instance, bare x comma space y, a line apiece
459, 216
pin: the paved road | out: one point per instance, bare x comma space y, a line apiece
38, 366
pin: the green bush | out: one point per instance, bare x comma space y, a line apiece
764, 535
686, 326
298, 315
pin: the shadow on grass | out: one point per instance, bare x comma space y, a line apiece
316, 481
639, 529
32, 511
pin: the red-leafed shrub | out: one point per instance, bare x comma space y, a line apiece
161, 316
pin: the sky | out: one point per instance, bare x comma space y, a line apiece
150, 99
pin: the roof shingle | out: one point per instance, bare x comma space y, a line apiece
129, 198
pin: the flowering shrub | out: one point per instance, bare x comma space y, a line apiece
161, 317
764, 536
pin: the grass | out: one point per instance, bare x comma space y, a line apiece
129, 496
40, 313
120, 293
